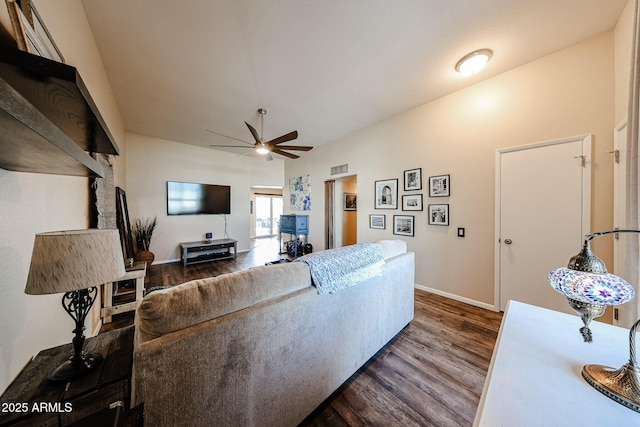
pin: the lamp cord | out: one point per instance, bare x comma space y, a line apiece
632, 344
603, 233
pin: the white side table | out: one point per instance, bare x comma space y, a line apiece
535, 376
137, 271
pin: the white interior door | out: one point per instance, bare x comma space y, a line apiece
542, 215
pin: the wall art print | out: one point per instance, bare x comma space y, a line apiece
386, 196
439, 214
377, 221
413, 179
403, 225
300, 196
350, 202
439, 186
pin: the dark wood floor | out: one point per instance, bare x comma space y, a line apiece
431, 374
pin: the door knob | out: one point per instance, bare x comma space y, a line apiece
508, 241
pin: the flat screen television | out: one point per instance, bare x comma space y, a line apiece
188, 198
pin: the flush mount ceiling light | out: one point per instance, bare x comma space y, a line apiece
473, 62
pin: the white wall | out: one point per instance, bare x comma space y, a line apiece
568, 93
33, 203
623, 47
151, 162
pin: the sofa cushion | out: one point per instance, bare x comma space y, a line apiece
391, 248
198, 301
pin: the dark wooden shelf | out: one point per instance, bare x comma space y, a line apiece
48, 121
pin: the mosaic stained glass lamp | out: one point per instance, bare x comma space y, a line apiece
590, 289
76, 263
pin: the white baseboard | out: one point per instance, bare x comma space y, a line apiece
458, 298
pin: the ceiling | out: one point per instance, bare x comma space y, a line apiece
326, 68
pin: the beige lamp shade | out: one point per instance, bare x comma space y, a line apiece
65, 261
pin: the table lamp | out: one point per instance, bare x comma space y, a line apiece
75, 262
589, 289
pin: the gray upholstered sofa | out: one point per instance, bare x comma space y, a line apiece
261, 347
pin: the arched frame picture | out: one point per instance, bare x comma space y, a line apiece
386, 196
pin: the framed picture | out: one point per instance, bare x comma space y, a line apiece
123, 223
439, 214
386, 194
403, 225
413, 179
439, 186
412, 202
378, 221
33, 38
350, 201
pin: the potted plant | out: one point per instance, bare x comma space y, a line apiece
143, 231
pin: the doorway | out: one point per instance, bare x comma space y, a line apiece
268, 209
342, 224
543, 194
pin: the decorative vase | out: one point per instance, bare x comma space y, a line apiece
146, 256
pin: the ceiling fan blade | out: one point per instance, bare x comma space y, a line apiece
254, 132
294, 147
284, 153
230, 137
283, 138
228, 146
244, 154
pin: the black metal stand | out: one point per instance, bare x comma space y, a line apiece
77, 304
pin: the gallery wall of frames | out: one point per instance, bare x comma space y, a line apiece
387, 197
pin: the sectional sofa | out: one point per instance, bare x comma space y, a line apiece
262, 347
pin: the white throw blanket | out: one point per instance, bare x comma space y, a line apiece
336, 269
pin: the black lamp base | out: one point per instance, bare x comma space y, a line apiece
75, 367
77, 304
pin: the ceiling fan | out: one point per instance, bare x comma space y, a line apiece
267, 147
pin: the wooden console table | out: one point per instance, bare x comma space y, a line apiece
208, 250
535, 374
136, 272
102, 394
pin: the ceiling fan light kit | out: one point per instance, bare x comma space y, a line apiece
263, 147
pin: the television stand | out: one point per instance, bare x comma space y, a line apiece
208, 250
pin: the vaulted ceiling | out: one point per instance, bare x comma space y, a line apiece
326, 68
